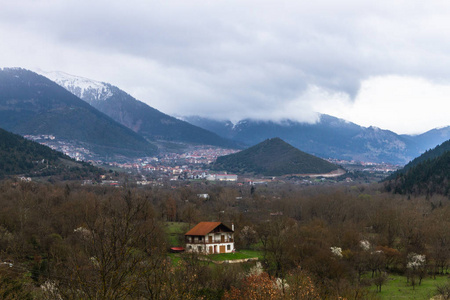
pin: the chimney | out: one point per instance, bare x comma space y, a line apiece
232, 226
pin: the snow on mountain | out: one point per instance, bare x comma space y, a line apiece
87, 89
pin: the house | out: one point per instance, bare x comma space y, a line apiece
210, 238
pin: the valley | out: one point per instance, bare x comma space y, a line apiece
98, 204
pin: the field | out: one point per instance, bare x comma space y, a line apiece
175, 232
396, 287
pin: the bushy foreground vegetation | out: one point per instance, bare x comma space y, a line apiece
73, 242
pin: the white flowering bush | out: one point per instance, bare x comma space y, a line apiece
50, 290
337, 251
415, 261
256, 270
281, 284
365, 245
83, 232
94, 261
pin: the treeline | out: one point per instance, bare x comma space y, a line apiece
72, 242
431, 176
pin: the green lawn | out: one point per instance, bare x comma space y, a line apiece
175, 231
242, 254
176, 227
175, 258
397, 288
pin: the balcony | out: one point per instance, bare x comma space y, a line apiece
209, 241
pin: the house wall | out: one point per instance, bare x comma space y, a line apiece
194, 244
205, 248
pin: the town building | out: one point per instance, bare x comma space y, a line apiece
222, 177
226, 177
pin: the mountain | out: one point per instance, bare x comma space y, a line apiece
31, 104
431, 138
426, 175
136, 115
273, 157
427, 155
330, 137
21, 156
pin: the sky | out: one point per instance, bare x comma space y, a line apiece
375, 63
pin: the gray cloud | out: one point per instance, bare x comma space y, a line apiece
231, 58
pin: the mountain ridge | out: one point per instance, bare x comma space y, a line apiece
136, 115
32, 104
331, 137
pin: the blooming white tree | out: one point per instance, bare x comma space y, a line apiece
256, 270
336, 251
415, 261
365, 245
50, 290
416, 267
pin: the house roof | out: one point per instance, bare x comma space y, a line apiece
203, 228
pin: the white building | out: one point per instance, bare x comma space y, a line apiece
226, 177
210, 238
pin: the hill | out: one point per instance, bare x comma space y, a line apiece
273, 157
426, 175
21, 156
31, 104
330, 137
427, 155
136, 115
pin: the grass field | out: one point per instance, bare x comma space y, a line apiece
242, 254
175, 231
397, 288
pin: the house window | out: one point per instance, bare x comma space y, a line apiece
199, 248
200, 238
228, 247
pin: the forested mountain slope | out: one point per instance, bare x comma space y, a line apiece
21, 156
273, 157
427, 174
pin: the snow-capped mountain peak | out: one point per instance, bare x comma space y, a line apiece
87, 89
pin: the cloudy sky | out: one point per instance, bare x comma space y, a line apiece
381, 63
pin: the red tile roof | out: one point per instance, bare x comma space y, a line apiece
203, 228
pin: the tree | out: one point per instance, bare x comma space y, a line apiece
300, 286
444, 290
416, 267
171, 209
380, 280
255, 287
107, 251
276, 237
